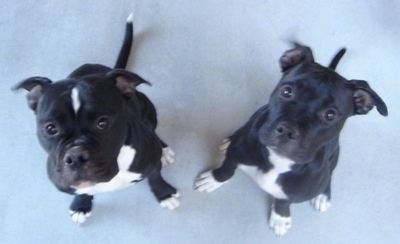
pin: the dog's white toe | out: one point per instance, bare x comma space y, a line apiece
279, 224
171, 203
320, 203
224, 146
168, 156
207, 182
79, 217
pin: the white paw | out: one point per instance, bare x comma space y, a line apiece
224, 146
168, 156
79, 217
320, 203
207, 182
171, 203
279, 224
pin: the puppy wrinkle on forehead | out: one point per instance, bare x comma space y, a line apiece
268, 180
76, 103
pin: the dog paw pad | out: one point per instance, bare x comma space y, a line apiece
224, 146
279, 224
171, 203
79, 217
168, 156
207, 182
320, 203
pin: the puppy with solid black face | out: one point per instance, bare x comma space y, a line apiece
99, 132
290, 146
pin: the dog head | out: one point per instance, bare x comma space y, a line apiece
82, 123
310, 105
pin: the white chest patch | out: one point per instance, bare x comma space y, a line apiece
76, 103
123, 179
267, 181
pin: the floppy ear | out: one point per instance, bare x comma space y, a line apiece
295, 56
34, 86
365, 99
126, 81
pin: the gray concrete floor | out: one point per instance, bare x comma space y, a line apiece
212, 64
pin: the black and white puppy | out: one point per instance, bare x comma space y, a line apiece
99, 132
290, 146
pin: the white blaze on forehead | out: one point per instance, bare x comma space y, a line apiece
76, 103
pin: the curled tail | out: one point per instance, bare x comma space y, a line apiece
337, 58
126, 45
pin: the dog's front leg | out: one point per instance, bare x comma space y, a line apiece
168, 155
279, 219
81, 208
213, 179
322, 202
166, 195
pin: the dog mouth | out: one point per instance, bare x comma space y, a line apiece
66, 178
294, 148
281, 152
299, 157
93, 176
83, 184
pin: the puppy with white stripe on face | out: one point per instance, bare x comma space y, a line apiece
99, 132
290, 146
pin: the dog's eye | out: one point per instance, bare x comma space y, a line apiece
102, 123
51, 129
286, 91
330, 115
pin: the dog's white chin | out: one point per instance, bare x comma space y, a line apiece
83, 184
276, 151
279, 153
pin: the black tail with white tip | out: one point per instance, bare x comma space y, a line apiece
126, 45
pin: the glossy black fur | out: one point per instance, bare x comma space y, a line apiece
104, 93
303, 127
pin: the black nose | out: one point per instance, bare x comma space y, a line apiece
76, 156
286, 131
